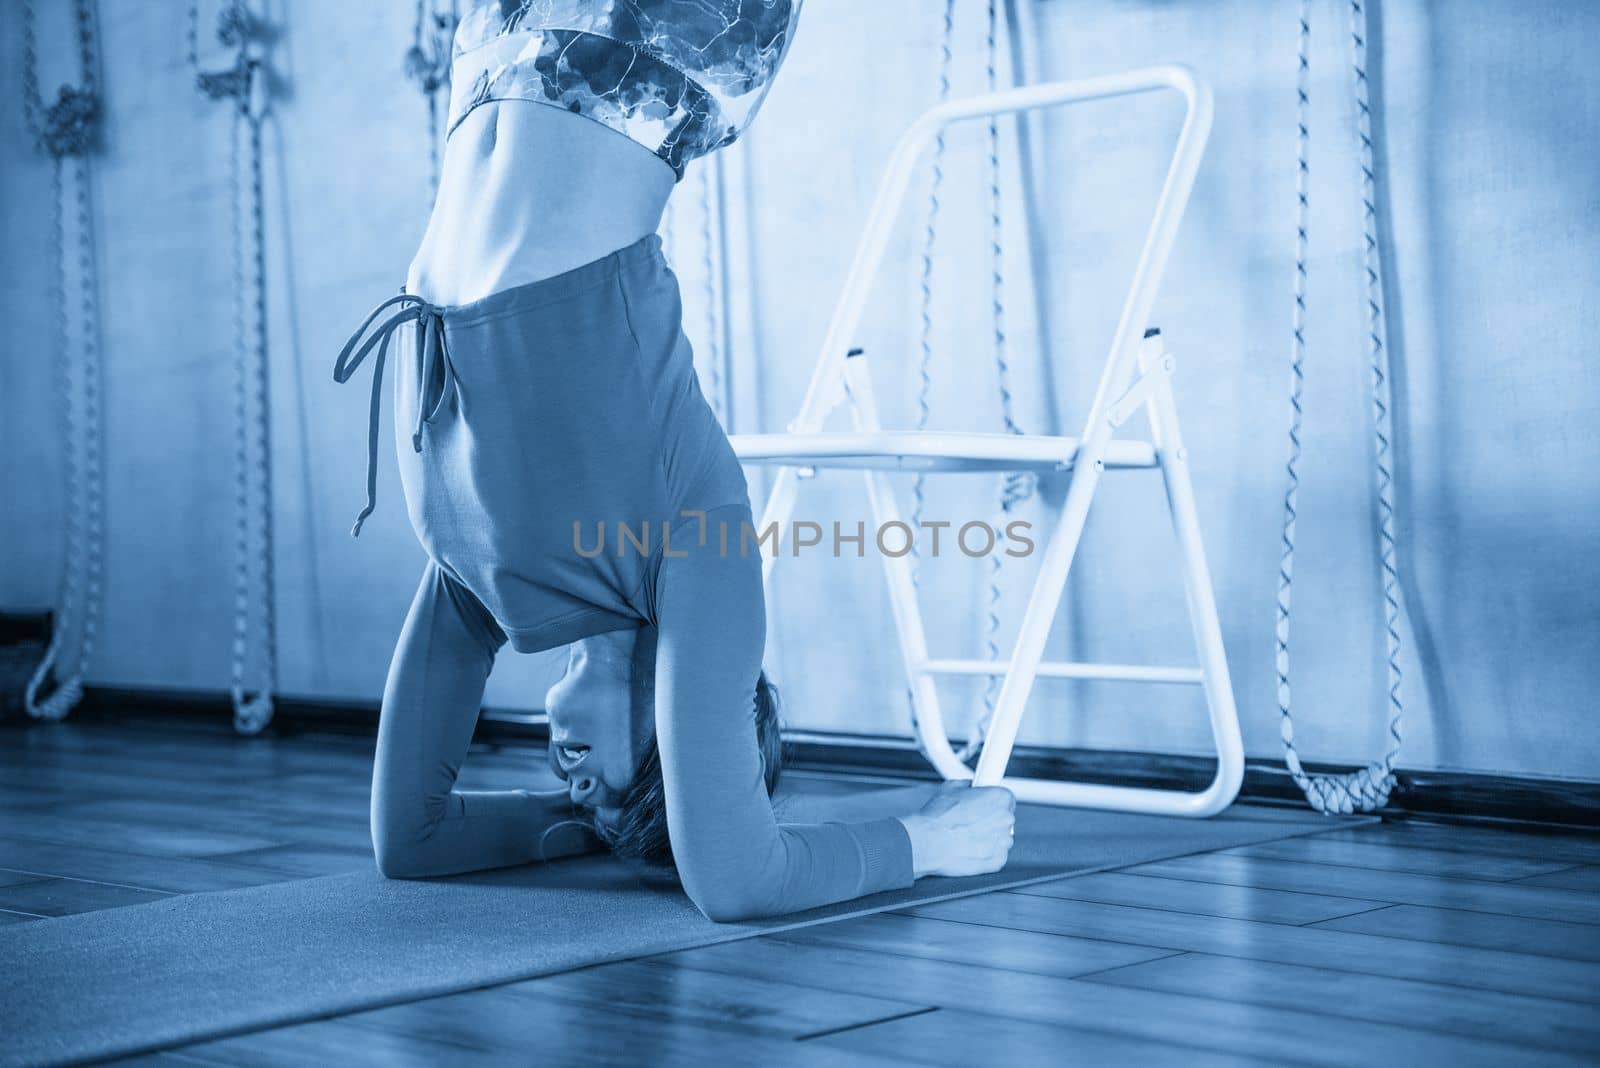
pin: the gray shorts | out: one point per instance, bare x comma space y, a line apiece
552, 438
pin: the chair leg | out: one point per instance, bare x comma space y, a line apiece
1087, 467
1051, 583
931, 733
897, 572
1202, 603
1038, 616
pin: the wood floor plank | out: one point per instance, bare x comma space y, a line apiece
68, 769
137, 870
354, 835
114, 780
1516, 934
1538, 845
1205, 899
12, 795
1397, 888
985, 947
1355, 853
301, 813
1471, 1013
529, 1028
134, 836
345, 826
1484, 969
1075, 1005
83, 783
745, 1004
302, 859
339, 1042
192, 756
1428, 938
65, 897
242, 809
952, 1037
1585, 878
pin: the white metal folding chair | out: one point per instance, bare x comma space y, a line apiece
1137, 374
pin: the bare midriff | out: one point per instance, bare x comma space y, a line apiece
527, 191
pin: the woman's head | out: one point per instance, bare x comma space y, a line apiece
602, 741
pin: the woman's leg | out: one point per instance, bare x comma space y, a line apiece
422, 825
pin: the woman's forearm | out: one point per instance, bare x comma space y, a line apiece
561, 832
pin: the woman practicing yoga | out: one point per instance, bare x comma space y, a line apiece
546, 404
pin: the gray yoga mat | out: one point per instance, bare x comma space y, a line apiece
201, 966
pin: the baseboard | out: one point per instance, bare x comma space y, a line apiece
24, 637
1457, 796
17, 627
1439, 795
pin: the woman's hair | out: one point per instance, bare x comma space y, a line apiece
640, 832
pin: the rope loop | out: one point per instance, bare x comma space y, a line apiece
251, 711
246, 84
1367, 788
62, 699
66, 130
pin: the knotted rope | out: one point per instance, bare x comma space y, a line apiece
925, 315
244, 84
65, 130
427, 65
1369, 787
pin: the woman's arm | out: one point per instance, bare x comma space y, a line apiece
562, 832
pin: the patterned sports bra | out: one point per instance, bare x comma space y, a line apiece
680, 77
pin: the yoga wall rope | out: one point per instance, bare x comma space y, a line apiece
427, 64
666, 231
930, 233
1367, 788
1018, 486
711, 292
925, 317
245, 84
66, 130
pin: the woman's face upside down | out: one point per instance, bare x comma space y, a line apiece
602, 717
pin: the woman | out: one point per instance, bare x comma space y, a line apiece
549, 396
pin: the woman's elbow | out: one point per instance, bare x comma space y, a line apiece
398, 861
731, 904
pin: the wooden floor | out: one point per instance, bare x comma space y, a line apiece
1401, 943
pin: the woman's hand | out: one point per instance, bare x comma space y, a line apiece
962, 830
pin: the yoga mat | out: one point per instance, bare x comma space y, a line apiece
203, 966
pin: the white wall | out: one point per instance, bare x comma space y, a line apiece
1488, 110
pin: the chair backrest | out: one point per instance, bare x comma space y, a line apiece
827, 380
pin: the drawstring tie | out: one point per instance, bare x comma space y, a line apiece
433, 359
